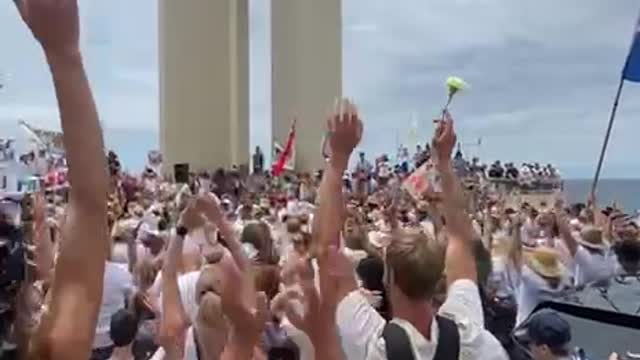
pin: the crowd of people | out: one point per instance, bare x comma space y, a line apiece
232, 265
529, 176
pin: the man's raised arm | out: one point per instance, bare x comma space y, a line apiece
68, 328
345, 131
460, 261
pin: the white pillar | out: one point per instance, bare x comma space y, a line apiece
204, 82
306, 56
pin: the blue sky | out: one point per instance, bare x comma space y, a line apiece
543, 74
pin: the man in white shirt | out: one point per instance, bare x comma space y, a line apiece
363, 164
525, 175
384, 170
590, 254
543, 278
415, 264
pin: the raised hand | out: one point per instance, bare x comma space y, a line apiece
318, 318
444, 139
54, 23
345, 131
191, 218
39, 209
310, 320
41, 250
210, 204
246, 310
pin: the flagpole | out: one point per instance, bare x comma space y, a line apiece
606, 137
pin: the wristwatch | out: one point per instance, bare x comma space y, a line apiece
182, 231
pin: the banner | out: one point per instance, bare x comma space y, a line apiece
631, 71
277, 152
424, 180
285, 156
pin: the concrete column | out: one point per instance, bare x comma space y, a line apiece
306, 56
204, 82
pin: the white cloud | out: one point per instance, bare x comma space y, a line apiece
543, 72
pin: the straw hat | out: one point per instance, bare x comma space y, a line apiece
545, 262
591, 237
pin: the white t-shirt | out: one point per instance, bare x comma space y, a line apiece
360, 327
294, 207
504, 276
384, 170
118, 286
187, 287
527, 232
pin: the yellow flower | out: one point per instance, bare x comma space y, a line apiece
456, 84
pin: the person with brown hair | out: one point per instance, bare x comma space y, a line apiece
264, 263
414, 266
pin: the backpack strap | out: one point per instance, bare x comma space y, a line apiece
448, 347
397, 343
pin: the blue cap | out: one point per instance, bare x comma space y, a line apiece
547, 327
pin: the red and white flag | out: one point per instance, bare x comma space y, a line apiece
287, 154
424, 179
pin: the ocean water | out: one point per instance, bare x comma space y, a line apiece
626, 192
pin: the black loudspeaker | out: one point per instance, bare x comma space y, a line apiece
181, 173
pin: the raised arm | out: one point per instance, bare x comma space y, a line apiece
515, 250
43, 244
488, 229
345, 131
564, 229
174, 322
68, 328
209, 205
460, 261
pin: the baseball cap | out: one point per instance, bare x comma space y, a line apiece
547, 327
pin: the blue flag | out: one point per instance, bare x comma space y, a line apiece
631, 70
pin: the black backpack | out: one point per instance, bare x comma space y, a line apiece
398, 345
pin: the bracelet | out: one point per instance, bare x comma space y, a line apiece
182, 231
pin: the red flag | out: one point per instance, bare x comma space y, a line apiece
278, 166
